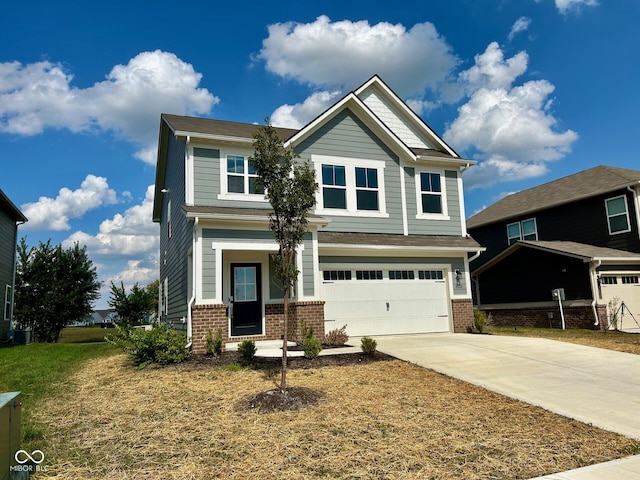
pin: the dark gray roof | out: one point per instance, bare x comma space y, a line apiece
384, 239
585, 184
10, 209
210, 126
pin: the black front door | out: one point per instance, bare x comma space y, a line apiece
246, 301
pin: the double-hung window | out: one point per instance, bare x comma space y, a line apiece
366, 188
617, 215
524, 230
334, 186
241, 176
431, 196
350, 186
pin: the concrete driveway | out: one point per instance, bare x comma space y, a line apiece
593, 385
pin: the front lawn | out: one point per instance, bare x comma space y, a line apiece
609, 339
377, 420
39, 371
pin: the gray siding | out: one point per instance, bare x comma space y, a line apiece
208, 271
174, 250
420, 226
8, 241
307, 266
346, 136
206, 176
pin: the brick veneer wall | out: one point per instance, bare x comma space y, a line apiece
574, 317
208, 318
462, 315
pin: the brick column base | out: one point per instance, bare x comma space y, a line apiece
462, 315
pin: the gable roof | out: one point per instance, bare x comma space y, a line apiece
10, 209
581, 251
588, 183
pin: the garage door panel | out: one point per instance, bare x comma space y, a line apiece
387, 307
625, 289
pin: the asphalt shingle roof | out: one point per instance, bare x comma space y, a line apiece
585, 184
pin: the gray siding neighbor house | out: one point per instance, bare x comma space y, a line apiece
387, 250
10, 218
581, 234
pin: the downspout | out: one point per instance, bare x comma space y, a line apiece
594, 289
476, 255
193, 285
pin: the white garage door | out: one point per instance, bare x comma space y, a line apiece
377, 302
625, 288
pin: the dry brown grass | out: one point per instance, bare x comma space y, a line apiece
611, 340
380, 420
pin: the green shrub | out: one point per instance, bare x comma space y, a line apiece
306, 332
248, 350
161, 344
213, 343
311, 347
368, 345
479, 320
337, 337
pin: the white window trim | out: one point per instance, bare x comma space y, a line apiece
626, 212
443, 195
520, 229
224, 192
8, 293
350, 165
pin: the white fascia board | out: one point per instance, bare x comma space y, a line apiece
181, 134
410, 114
235, 220
365, 114
363, 250
444, 161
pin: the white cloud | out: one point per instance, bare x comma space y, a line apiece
55, 213
520, 25
511, 128
566, 6
125, 235
298, 115
421, 106
37, 96
345, 53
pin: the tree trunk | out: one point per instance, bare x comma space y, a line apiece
285, 339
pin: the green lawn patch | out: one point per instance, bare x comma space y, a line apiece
89, 334
38, 371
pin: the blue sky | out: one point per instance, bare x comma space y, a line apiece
532, 90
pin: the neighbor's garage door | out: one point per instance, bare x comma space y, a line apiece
377, 302
626, 288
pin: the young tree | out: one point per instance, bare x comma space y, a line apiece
54, 287
290, 187
133, 307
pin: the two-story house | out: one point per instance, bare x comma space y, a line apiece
579, 234
10, 219
387, 248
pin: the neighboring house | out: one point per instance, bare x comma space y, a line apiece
579, 233
10, 219
387, 249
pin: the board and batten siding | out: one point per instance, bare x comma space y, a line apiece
347, 136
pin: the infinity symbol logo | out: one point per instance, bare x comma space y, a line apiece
22, 456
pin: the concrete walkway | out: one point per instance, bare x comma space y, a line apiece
592, 385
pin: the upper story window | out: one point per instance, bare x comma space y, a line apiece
524, 230
366, 188
431, 195
617, 215
241, 176
350, 186
334, 186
